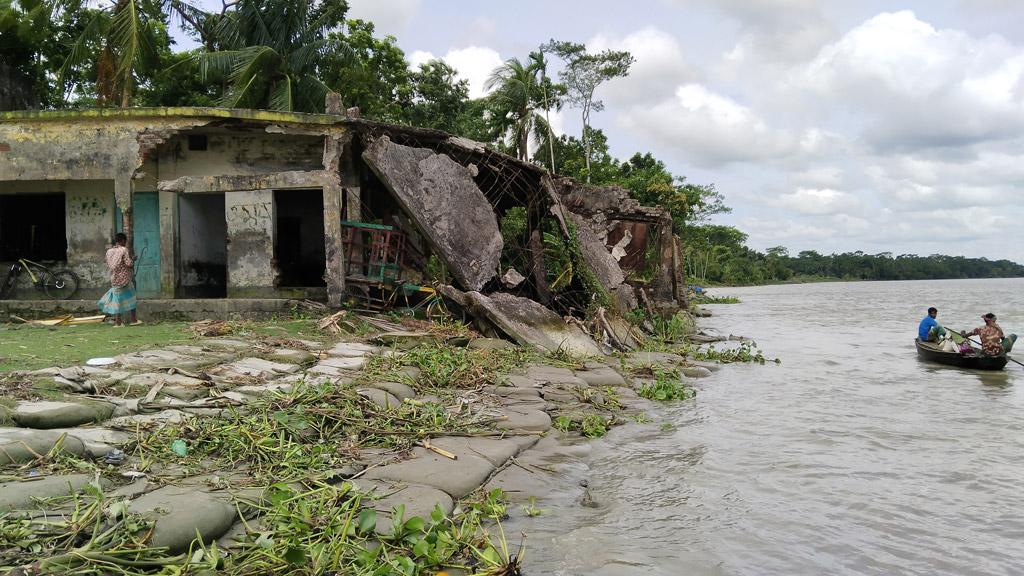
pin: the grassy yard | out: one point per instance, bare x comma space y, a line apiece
27, 347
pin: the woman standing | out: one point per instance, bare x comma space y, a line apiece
119, 301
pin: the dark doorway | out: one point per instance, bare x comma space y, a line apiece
299, 238
202, 248
32, 226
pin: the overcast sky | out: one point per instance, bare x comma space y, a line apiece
827, 125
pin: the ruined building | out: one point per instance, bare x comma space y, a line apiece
244, 204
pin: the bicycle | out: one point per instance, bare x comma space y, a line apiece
57, 284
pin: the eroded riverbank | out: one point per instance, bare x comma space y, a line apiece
294, 454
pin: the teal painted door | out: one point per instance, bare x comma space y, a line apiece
146, 209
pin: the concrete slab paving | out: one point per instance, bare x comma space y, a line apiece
456, 477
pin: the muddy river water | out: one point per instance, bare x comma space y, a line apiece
851, 457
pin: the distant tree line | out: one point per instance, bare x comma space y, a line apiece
731, 262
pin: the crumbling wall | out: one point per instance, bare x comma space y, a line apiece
441, 197
250, 226
89, 217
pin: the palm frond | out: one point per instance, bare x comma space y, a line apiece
281, 95
312, 93
126, 35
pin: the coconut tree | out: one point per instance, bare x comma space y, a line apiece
121, 41
273, 53
516, 98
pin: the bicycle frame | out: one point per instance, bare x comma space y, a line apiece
27, 265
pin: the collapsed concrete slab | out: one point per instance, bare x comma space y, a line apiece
525, 321
440, 195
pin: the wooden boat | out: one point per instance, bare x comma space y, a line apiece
977, 360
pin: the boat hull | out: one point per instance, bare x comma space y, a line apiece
931, 352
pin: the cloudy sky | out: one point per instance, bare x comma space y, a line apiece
828, 125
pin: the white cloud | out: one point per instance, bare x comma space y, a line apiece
388, 16
908, 85
660, 66
818, 201
708, 128
474, 64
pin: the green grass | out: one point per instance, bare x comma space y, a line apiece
26, 347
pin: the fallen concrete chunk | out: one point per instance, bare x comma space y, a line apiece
456, 477
441, 197
46, 414
183, 512
257, 368
525, 321
24, 445
22, 495
148, 379
98, 441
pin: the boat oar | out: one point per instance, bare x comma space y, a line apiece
979, 344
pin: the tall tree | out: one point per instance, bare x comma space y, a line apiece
273, 53
121, 41
516, 97
583, 73
369, 72
440, 98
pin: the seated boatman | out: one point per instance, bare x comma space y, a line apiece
992, 341
929, 330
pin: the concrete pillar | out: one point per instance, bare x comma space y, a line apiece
123, 199
250, 226
334, 246
168, 244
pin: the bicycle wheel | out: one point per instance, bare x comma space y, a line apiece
60, 285
8, 286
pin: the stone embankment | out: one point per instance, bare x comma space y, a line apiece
110, 417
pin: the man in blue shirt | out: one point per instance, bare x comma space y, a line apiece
930, 330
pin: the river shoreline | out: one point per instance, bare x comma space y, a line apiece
149, 445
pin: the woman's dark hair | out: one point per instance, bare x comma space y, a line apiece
120, 237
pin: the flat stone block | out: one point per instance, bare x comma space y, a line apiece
291, 356
344, 362
601, 377
494, 450
147, 420
418, 499
400, 391
381, 398
456, 477
225, 343
22, 495
525, 420
24, 445
490, 344
46, 414
352, 349
182, 512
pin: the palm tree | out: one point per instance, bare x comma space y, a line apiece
124, 36
516, 93
273, 52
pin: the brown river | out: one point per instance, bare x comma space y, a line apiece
851, 457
